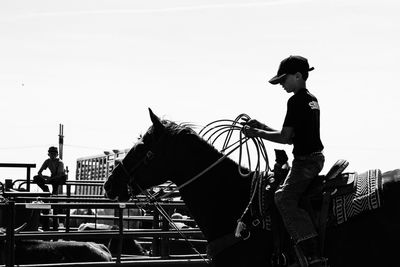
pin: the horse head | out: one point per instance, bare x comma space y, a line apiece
146, 164
175, 152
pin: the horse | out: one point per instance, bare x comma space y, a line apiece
42, 251
129, 245
175, 152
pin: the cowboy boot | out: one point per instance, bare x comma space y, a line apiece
311, 250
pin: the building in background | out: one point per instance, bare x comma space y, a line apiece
96, 168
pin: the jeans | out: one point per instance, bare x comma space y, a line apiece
297, 221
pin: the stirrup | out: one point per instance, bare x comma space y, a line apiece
301, 260
318, 262
279, 260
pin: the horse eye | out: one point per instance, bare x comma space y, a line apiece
149, 156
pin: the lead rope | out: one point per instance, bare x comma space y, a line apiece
219, 128
150, 198
201, 173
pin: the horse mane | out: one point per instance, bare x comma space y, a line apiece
174, 129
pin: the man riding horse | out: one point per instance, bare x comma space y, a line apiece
301, 128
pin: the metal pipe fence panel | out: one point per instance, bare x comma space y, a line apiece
162, 235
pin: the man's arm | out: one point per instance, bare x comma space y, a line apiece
44, 166
283, 137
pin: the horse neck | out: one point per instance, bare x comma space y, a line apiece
216, 199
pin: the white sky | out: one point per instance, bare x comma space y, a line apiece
95, 66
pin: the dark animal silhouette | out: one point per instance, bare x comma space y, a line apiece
42, 252
217, 199
129, 245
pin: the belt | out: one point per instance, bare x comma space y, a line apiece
313, 154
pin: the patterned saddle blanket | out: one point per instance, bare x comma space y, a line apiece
351, 194
366, 195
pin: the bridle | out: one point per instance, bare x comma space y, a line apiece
129, 174
152, 199
215, 130
129, 178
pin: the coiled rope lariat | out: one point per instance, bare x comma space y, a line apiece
217, 129
211, 133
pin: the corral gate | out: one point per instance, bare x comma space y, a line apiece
96, 168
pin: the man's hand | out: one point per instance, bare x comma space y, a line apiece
252, 123
250, 131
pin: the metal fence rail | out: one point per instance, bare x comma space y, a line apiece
87, 193
135, 263
27, 166
159, 236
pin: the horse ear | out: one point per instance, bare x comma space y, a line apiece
156, 121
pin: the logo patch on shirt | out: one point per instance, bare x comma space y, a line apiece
314, 105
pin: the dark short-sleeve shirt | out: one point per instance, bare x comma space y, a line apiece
303, 114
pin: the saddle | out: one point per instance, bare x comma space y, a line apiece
334, 182
323, 188
320, 191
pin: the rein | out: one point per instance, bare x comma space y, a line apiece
200, 174
220, 127
229, 129
215, 130
162, 211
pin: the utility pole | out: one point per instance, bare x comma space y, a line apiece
61, 141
